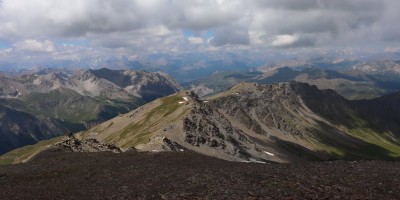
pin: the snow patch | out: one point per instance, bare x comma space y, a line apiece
271, 154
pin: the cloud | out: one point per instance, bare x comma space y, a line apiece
35, 46
232, 35
195, 40
158, 25
284, 40
76, 18
392, 49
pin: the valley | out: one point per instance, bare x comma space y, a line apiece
50, 103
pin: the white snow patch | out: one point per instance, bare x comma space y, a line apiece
181, 102
185, 98
271, 154
206, 101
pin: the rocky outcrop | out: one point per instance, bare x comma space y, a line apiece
172, 146
205, 127
72, 144
260, 106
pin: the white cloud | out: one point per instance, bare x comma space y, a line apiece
392, 49
35, 46
195, 40
284, 40
158, 25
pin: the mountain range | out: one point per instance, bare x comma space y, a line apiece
250, 122
48, 103
353, 81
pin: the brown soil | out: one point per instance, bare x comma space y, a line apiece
186, 175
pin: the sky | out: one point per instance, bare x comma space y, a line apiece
72, 29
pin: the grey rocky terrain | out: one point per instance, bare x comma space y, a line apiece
72, 144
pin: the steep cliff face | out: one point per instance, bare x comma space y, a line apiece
207, 129
274, 106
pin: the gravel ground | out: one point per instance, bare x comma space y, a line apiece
186, 175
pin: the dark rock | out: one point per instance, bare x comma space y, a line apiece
173, 146
72, 144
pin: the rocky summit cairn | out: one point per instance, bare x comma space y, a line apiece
72, 144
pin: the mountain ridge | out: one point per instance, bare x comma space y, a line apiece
74, 100
351, 84
282, 122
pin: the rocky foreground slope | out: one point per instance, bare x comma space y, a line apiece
186, 175
285, 122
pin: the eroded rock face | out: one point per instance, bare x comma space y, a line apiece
172, 146
205, 127
272, 105
72, 144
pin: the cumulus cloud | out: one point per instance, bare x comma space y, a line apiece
195, 40
75, 18
284, 40
35, 25
35, 46
230, 35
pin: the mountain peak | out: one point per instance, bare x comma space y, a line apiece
280, 122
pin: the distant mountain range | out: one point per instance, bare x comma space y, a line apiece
360, 81
46, 103
189, 66
280, 122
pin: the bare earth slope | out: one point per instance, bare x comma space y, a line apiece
187, 175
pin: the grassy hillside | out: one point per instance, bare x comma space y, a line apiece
25, 153
138, 126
